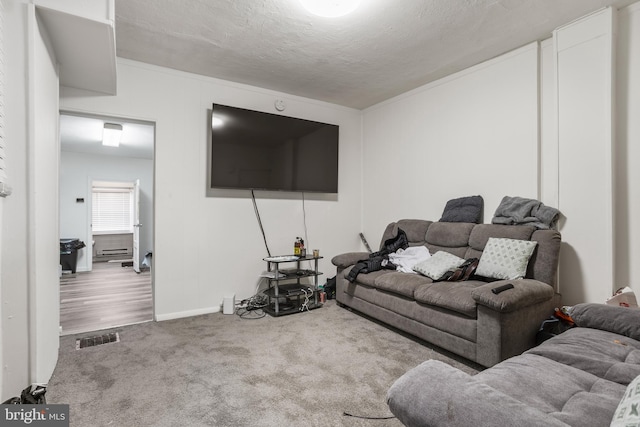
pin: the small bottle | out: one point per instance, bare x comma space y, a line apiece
303, 250
296, 247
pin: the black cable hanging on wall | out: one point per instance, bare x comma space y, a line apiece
264, 237
304, 220
255, 208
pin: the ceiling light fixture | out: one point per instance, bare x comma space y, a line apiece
111, 135
330, 8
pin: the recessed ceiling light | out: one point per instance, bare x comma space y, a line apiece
330, 8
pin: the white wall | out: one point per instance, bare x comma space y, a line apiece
472, 133
29, 276
441, 142
15, 333
584, 49
209, 247
77, 170
548, 126
43, 241
624, 199
627, 155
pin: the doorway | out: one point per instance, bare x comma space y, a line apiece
106, 203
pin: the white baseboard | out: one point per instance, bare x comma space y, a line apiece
188, 313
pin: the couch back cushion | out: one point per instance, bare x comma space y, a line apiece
452, 237
543, 264
416, 230
481, 233
468, 240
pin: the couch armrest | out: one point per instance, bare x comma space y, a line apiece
437, 394
525, 292
349, 258
619, 320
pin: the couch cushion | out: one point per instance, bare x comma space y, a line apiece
416, 230
349, 258
604, 354
525, 292
400, 283
505, 258
436, 394
564, 392
481, 233
619, 320
439, 263
543, 265
449, 234
454, 296
367, 278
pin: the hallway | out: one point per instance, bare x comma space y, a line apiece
108, 296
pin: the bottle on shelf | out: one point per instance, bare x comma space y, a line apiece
303, 250
296, 247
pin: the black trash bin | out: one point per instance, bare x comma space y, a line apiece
69, 253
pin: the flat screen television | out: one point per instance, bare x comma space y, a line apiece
264, 151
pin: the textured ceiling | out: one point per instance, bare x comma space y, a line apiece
384, 48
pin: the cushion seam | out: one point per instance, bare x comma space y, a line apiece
580, 391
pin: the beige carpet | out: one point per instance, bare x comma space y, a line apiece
221, 370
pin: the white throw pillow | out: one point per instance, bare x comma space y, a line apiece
505, 259
438, 264
628, 412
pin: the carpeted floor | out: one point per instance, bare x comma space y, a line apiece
221, 370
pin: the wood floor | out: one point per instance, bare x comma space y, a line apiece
108, 296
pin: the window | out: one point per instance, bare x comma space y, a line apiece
112, 208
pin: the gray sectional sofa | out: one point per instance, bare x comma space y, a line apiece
463, 317
586, 376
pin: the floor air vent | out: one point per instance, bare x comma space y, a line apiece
97, 340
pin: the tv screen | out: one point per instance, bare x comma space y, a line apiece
264, 151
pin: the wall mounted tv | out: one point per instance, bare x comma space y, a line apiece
264, 151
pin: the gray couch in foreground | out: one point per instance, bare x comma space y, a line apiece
577, 378
463, 317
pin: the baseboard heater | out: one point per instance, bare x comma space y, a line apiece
111, 252
109, 246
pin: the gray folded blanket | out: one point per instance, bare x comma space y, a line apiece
522, 211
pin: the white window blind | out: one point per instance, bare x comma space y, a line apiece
5, 190
112, 210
